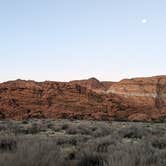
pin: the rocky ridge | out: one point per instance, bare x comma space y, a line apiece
138, 99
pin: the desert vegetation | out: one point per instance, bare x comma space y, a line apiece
46, 142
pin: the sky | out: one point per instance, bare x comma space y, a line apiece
64, 40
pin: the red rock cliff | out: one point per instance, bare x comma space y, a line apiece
139, 99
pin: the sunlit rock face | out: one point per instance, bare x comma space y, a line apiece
139, 99
142, 91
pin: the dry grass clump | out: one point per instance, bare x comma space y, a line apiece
33, 153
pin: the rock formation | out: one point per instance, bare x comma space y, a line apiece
139, 99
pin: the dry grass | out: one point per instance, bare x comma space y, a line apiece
81, 143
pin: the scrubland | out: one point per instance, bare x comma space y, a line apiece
46, 142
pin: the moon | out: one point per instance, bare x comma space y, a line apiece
144, 21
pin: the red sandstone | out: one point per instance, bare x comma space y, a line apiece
139, 99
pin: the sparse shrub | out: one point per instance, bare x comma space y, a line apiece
101, 131
34, 129
7, 143
73, 130
132, 133
65, 140
25, 122
159, 143
65, 126
103, 144
91, 159
34, 153
3, 127
79, 129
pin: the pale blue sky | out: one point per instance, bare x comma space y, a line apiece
77, 39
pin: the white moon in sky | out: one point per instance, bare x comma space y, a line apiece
144, 21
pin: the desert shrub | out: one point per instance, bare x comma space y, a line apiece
95, 129
7, 144
161, 155
134, 154
35, 128
62, 140
50, 125
69, 153
133, 132
30, 128
25, 122
91, 159
103, 144
101, 131
74, 130
100, 144
85, 129
159, 131
34, 153
78, 129
3, 127
65, 126
59, 125
71, 140
159, 143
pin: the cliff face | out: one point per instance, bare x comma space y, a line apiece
139, 99
142, 91
146, 94
28, 99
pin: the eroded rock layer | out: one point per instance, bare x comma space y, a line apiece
139, 99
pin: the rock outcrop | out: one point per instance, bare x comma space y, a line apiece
91, 83
139, 99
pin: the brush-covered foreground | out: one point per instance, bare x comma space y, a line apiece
81, 143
